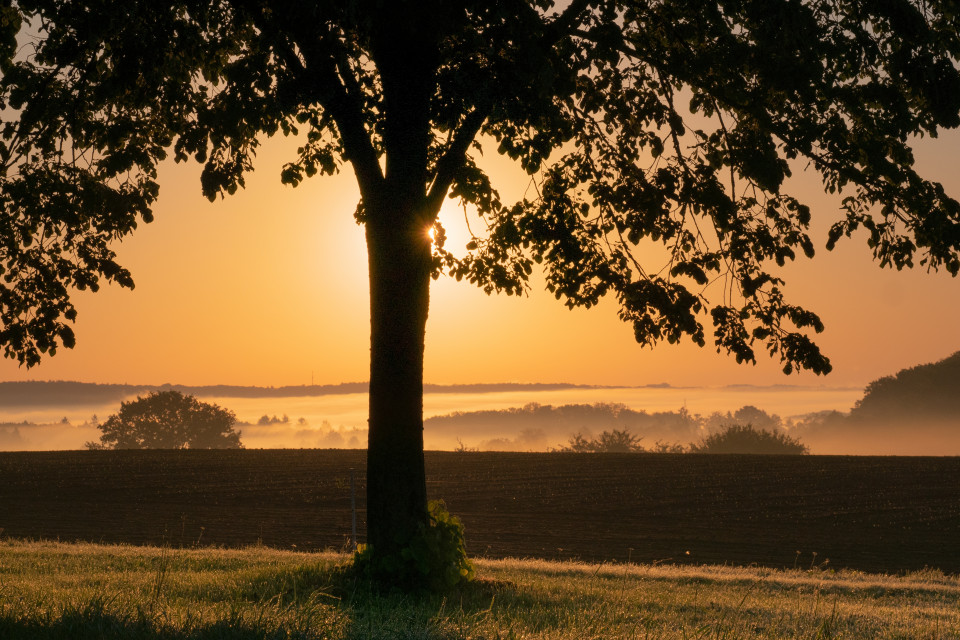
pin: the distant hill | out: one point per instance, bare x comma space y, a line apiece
915, 411
63, 393
928, 390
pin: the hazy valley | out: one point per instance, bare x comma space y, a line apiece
914, 412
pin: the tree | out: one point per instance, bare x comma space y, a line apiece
168, 420
738, 438
659, 136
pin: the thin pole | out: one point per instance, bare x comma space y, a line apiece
353, 510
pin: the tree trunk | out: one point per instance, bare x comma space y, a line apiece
399, 254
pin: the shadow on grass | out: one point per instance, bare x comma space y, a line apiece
376, 612
92, 623
307, 602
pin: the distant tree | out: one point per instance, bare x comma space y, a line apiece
747, 414
745, 439
616, 441
169, 420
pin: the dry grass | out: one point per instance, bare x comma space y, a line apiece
52, 590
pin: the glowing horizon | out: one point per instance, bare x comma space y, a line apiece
269, 288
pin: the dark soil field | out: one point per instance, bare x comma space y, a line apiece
877, 514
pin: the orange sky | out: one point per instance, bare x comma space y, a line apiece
268, 287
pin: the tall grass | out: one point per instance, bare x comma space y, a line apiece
52, 590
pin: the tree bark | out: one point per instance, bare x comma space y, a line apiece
399, 254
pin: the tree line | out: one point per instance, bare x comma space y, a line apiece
172, 420
734, 438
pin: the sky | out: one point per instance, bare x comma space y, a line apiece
269, 287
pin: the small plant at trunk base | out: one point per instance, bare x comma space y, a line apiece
435, 559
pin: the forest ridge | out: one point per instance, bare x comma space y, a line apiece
68, 393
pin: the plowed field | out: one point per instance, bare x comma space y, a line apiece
872, 513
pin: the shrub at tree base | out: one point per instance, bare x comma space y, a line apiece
745, 439
169, 420
435, 559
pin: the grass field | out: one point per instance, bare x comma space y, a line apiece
877, 514
85, 591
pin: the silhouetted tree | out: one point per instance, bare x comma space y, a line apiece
745, 439
169, 420
651, 130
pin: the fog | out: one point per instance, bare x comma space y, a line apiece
46, 437
919, 435
498, 421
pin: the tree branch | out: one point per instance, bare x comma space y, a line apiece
452, 160
330, 83
332, 86
569, 17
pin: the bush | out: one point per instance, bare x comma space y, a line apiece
436, 559
745, 439
616, 441
668, 447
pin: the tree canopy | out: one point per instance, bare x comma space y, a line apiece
169, 420
662, 129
